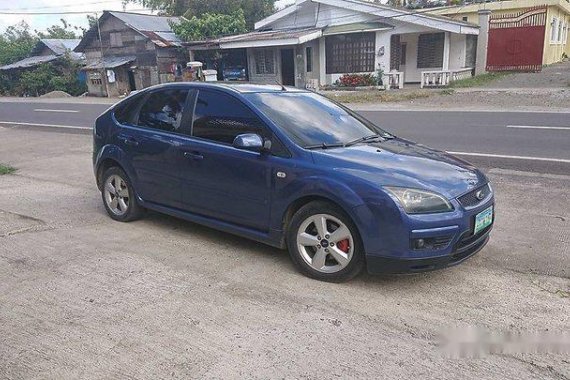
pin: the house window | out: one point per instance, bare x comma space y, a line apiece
116, 39
560, 32
350, 53
470, 50
309, 55
96, 82
554, 30
264, 61
430, 50
465, 18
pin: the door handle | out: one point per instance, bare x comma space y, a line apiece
193, 156
130, 141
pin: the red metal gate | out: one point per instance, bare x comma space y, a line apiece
516, 41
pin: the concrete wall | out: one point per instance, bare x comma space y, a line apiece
553, 50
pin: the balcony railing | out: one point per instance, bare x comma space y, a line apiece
393, 79
443, 78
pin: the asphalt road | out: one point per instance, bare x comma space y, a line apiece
525, 141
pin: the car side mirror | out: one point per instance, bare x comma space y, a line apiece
249, 141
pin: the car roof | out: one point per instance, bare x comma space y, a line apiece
243, 88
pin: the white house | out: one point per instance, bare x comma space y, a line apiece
314, 42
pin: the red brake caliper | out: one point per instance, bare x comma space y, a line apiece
343, 245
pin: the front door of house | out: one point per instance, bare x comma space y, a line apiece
288, 67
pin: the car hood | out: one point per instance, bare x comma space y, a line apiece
398, 162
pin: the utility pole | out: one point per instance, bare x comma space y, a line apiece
103, 75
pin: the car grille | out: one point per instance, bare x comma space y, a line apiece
470, 199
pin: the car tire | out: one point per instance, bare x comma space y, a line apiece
119, 196
343, 258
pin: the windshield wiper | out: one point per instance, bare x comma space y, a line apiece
365, 139
324, 146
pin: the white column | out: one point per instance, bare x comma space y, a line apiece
446, 48
482, 41
322, 62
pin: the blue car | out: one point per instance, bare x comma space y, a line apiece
292, 169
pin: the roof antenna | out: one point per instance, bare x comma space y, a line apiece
280, 84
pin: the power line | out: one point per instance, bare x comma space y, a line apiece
63, 13
57, 6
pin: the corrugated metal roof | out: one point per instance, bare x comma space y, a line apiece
155, 28
57, 45
29, 62
278, 36
146, 22
109, 63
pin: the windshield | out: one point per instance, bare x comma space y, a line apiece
313, 120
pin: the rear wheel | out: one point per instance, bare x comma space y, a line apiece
118, 196
324, 243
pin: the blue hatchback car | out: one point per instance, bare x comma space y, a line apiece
294, 170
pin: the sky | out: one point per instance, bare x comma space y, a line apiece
42, 22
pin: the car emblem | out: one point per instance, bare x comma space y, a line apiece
480, 195
281, 175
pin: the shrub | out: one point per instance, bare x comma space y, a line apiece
357, 80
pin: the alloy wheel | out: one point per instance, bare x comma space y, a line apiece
117, 195
325, 243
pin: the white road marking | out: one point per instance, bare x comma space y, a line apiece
44, 125
560, 160
60, 111
537, 127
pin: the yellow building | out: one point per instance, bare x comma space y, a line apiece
556, 41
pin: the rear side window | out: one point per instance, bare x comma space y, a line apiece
125, 112
163, 110
220, 117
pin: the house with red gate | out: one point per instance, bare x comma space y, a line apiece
521, 35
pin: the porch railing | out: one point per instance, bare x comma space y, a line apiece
393, 79
443, 78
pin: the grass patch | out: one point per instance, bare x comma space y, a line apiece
6, 169
478, 80
374, 96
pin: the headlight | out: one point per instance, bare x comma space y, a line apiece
417, 201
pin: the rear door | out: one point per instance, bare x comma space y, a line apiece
221, 181
151, 142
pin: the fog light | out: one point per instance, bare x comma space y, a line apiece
419, 243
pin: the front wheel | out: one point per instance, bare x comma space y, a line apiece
324, 243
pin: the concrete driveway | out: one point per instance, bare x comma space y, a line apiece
82, 296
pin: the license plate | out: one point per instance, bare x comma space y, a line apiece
483, 220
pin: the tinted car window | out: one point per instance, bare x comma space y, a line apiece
163, 110
221, 117
311, 119
125, 112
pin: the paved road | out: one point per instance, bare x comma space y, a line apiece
531, 141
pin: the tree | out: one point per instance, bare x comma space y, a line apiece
59, 31
16, 43
210, 26
253, 10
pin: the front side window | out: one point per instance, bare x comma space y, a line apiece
311, 119
350, 53
220, 117
163, 110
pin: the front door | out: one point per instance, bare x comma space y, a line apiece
220, 181
288, 67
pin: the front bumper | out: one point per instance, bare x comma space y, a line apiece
451, 238
465, 248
